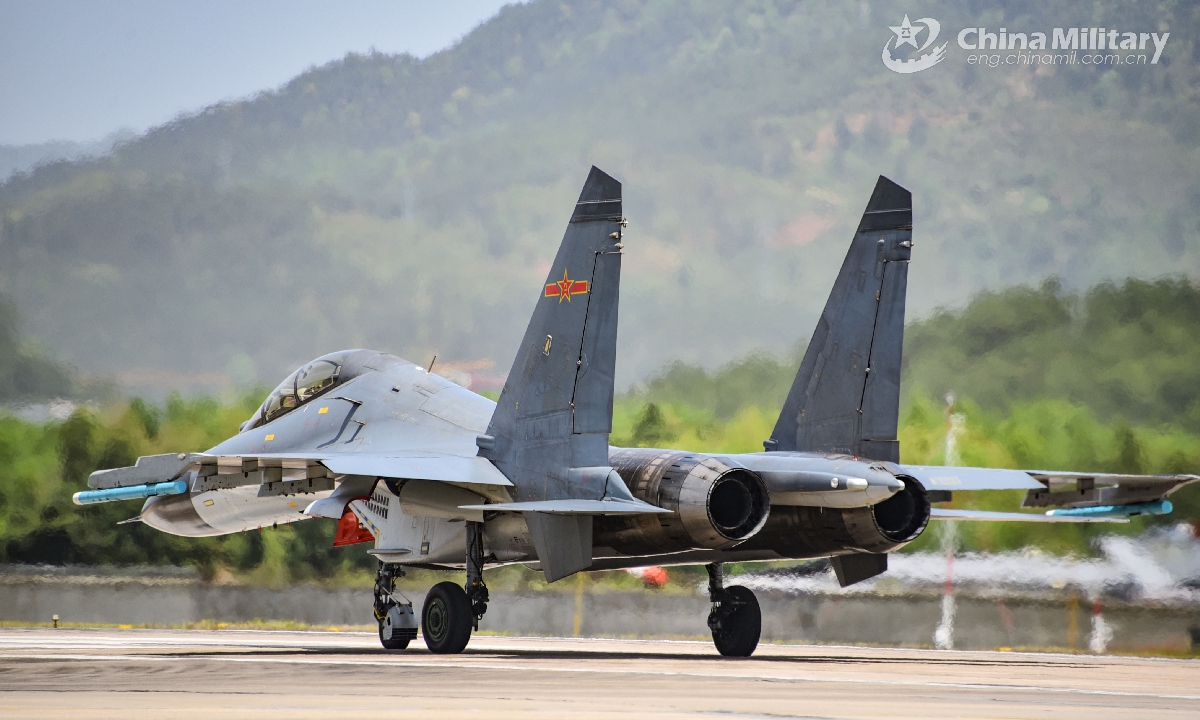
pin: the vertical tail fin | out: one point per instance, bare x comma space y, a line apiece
846, 396
555, 412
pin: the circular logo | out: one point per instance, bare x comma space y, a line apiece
906, 34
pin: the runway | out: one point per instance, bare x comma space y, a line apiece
182, 674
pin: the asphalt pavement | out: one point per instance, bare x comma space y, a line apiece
182, 674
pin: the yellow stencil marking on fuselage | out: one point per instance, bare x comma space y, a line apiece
322, 411
269, 438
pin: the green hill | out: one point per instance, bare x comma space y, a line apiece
412, 205
1094, 381
1124, 352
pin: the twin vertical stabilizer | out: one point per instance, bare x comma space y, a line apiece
846, 396
549, 434
555, 412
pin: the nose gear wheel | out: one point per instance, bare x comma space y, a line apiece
393, 616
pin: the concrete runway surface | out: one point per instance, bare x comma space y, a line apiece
254, 674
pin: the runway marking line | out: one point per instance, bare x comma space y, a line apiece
594, 671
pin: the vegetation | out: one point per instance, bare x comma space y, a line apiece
42, 465
1125, 351
1101, 380
403, 204
1022, 337
1044, 434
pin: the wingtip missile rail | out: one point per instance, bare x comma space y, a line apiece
133, 492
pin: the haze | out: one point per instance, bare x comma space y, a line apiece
412, 205
79, 71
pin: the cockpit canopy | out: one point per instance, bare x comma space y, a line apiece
310, 381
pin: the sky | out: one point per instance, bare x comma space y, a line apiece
79, 71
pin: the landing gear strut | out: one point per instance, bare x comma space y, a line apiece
450, 612
735, 618
397, 623
477, 591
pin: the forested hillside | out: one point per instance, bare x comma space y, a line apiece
1043, 377
413, 205
1126, 352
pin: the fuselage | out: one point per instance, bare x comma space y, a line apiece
814, 505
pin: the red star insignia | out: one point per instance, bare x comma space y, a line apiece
565, 288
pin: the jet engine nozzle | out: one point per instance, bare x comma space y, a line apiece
721, 503
903, 516
716, 503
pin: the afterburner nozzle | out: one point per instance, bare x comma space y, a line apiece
133, 492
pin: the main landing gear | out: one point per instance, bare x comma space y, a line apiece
735, 619
452, 612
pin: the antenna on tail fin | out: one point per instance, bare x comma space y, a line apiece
846, 395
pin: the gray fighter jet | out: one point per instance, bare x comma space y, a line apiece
435, 475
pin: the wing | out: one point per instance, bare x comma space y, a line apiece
280, 473
292, 466
1072, 496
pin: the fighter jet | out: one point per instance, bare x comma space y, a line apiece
437, 476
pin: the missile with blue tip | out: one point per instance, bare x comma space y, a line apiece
133, 492
1157, 507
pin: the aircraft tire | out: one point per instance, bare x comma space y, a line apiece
446, 619
397, 642
738, 635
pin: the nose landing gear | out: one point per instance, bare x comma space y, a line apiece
735, 618
397, 623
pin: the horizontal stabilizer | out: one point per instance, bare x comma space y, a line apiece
935, 477
988, 516
573, 507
